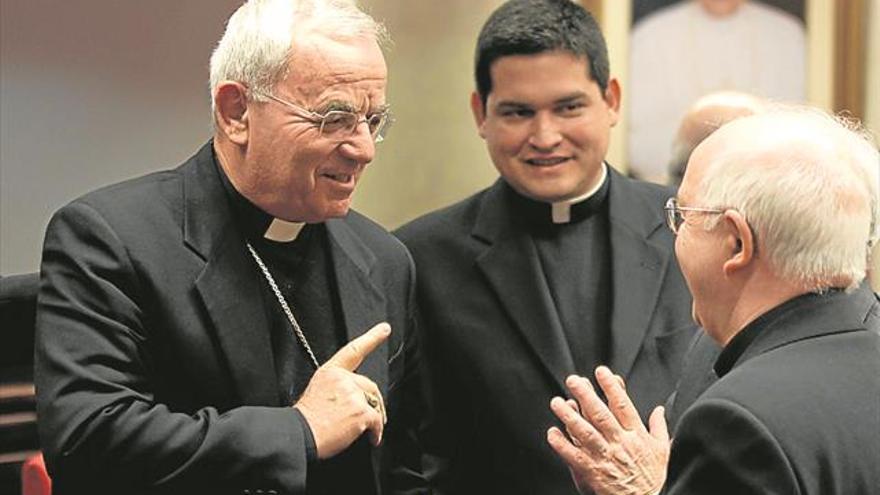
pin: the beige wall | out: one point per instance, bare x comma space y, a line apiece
433, 155
96, 91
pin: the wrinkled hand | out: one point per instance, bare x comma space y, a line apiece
336, 402
608, 448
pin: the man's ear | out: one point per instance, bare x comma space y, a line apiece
739, 242
612, 99
479, 112
231, 111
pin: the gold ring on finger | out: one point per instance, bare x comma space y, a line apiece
372, 400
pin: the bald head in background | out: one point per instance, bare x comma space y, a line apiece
703, 118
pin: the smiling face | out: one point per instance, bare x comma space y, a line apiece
290, 170
547, 123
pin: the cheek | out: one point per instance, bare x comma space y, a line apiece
506, 142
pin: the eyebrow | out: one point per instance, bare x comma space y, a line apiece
345, 106
336, 106
509, 104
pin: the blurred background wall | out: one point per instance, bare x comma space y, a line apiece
96, 91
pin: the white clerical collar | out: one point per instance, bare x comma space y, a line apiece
561, 210
282, 230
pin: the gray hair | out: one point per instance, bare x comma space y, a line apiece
807, 183
255, 49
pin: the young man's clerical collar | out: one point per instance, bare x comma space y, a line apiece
544, 215
561, 210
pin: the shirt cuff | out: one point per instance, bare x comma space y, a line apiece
311, 448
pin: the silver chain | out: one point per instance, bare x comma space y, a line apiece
283, 302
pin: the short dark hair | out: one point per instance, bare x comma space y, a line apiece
522, 27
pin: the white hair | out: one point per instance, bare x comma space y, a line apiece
807, 183
255, 49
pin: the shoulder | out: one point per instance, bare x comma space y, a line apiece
662, 22
772, 385
118, 204
780, 22
638, 204
451, 222
376, 239
643, 190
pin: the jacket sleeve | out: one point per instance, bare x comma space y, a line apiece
101, 427
722, 448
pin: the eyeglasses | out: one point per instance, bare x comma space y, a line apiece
675, 217
340, 123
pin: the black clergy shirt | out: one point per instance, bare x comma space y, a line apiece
303, 271
575, 257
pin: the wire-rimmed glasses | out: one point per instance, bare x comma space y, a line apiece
675, 217
341, 123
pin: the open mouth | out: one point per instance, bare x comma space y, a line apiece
341, 178
547, 162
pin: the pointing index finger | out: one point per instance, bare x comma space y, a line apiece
353, 354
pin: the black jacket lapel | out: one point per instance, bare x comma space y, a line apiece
638, 269
229, 285
511, 266
363, 304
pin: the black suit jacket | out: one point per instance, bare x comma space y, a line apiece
798, 412
154, 368
496, 346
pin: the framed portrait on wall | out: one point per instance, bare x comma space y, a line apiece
680, 51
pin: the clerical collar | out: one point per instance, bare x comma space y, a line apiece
561, 210
542, 214
740, 342
255, 223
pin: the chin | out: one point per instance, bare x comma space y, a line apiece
695, 315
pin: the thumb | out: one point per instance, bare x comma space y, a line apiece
353, 354
657, 425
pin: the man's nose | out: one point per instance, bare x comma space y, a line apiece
545, 133
360, 145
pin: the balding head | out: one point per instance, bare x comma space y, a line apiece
807, 184
703, 118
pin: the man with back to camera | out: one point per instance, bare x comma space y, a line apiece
192, 323
775, 220
562, 264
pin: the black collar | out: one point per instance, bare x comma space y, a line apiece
767, 323
538, 215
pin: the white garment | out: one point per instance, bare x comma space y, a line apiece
681, 53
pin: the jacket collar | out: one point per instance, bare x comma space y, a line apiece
639, 265
807, 316
231, 287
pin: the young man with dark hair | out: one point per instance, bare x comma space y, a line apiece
563, 264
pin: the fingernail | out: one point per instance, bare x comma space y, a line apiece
386, 329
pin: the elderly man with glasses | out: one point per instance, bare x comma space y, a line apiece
230, 326
774, 220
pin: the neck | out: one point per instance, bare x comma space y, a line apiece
228, 155
758, 295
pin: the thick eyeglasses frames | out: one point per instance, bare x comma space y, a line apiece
675, 216
339, 123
